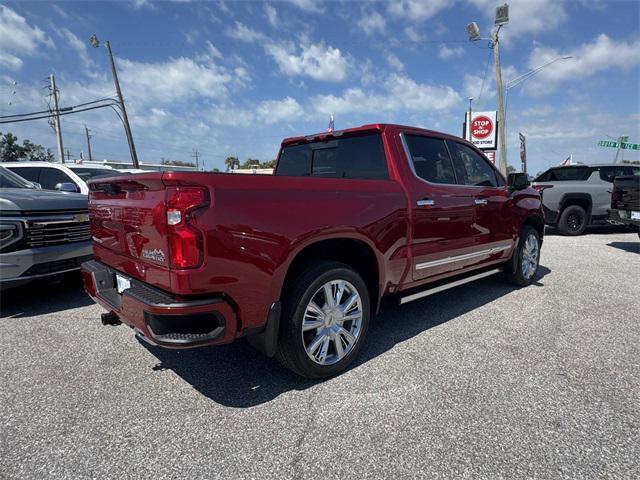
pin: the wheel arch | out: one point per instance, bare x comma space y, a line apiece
350, 250
583, 200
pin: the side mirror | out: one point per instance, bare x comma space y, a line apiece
518, 181
67, 187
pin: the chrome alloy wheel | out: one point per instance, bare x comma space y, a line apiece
530, 256
332, 322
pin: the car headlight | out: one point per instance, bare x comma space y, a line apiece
10, 233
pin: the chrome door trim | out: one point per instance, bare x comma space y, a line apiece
427, 202
466, 256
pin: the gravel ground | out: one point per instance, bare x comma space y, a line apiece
483, 381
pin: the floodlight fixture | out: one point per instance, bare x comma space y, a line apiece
95, 43
473, 31
502, 15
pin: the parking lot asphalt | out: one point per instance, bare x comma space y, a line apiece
483, 381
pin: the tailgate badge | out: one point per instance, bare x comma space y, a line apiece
156, 255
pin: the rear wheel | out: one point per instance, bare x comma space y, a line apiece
573, 220
526, 259
325, 320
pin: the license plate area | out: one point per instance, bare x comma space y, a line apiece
122, 283
635, 215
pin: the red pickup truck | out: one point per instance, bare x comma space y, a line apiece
298, 261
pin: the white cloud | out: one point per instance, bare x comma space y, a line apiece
271, 14
317, 61
308, 5
10, 61
416, 10
413, 35
267, 112
275, 111
173, 80
399, 93
394, 62
372, 22
80, 48
18, 37
244, 33
526, 16
603, 53
447, 52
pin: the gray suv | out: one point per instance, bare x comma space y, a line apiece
577, 196
42, 233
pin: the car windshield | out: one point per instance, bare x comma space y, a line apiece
8, 179
87, 173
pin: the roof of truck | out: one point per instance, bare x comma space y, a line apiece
363, 128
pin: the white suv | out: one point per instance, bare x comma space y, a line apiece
57, 176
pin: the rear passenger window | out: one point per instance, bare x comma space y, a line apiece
471, 168
359, 157
567, 174
431, 160
50, 177
28, 173
609, 173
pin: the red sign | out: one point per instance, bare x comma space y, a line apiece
481, 127
491, 155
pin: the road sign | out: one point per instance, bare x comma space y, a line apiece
481, 130
621, 145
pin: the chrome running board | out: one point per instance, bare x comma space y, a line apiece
447, 286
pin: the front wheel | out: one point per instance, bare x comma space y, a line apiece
526, 259
573, 220
325, 319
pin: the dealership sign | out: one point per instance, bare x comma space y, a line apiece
482, 130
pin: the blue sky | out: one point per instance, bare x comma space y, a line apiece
234, 78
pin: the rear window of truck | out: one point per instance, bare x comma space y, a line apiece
563, 174
360, 157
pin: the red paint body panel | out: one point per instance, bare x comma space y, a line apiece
255, 225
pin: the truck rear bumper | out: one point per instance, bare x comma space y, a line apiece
157, 315
622, 217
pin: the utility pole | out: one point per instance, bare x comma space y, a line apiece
86, 132
196, 155
501, 18
502, 141
468, 132
56, 118
68, 155
127, 128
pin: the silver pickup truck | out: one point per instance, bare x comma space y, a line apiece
574, 197
42, 233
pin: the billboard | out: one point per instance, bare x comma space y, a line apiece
482, 130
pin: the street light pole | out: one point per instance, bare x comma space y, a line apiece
502, 141
86, 131
56, 118
125, 119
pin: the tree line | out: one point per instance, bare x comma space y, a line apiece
12, 151
234, 163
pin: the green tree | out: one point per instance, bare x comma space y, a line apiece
177, 163
268, 164
251, 163
10, 149
510, 169
231, 163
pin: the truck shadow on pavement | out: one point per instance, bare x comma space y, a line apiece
42, 298
632, 247
237, 376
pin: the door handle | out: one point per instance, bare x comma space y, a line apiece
480, 201
426, 202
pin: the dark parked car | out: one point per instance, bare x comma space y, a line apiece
625, 202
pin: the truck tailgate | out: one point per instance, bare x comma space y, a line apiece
128, 226
626, 193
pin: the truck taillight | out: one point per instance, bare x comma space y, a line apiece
184, 237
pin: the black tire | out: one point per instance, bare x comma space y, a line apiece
573, 220
513, 270
301, 289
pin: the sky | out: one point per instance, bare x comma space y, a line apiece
235, 78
